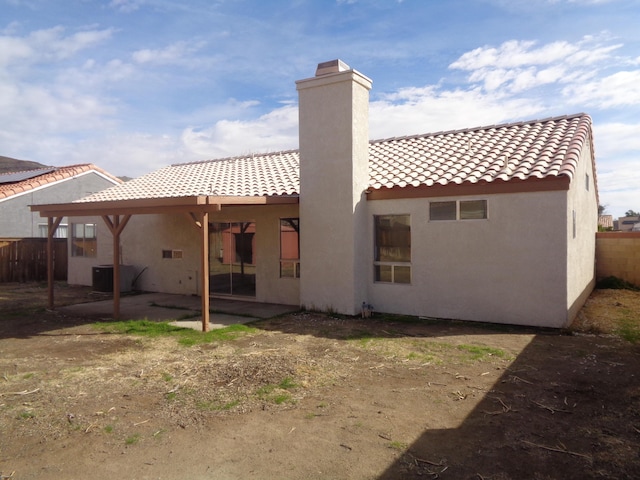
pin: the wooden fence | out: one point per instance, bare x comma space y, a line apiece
25, 259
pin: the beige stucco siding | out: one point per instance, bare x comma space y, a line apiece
581, 247
79, 269
509, 268
334, 149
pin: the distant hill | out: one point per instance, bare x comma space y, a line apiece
8, 165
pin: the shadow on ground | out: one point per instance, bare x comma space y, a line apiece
567, 408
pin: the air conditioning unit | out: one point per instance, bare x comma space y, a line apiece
102, 276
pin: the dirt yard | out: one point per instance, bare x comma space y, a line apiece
308, 396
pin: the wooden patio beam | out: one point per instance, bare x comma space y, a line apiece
157, 205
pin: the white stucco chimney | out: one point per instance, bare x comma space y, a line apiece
334, 173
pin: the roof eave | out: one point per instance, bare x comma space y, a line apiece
155, 205
560, 182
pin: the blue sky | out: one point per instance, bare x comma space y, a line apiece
134, 85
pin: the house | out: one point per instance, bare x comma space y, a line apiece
628, 223
605, 222
19, 190
490, 224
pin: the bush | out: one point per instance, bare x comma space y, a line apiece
616, 283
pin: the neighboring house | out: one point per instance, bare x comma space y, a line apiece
491, 224
627, 224
19, 190
605, 222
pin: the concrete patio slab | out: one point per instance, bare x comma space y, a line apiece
180, 310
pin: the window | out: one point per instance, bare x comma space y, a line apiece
290, 247
458, 210
61, 232
83, 240
587, 181
392, 248
442, 210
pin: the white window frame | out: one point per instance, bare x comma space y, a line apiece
392, 264
61, 232
458, 210
93, 253
289, 264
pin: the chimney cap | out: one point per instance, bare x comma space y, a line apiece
332, 66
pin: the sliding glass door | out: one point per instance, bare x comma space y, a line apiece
232, 266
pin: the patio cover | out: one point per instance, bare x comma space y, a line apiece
116, 215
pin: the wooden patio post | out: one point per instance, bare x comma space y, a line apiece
204, 267
116, 268
51, 230
116, 227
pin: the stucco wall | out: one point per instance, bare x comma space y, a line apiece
146, 236
17, 220
80, 269
618, 254
510, 268
581, 247
334, 147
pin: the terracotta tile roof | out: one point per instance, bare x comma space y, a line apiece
535, 149
44, 176
255, 175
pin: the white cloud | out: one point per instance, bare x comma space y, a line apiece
48, 45
616, 90
614, 139
178, 53
276, 130
126, 6
429, 109
517, 66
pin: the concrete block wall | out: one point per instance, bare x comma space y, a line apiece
618, 254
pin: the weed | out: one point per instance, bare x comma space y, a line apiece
275, 393
167, 377
216, 406
133, 439
171, 396
477, 352
398, 445
265, 390
27, 376
108, 429
282, 398
186, 336
616, 283
629, 328
27, 414
287, 383
363, 335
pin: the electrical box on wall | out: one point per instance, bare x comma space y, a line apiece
171, 253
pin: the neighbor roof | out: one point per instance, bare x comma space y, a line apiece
15, 183
535, 149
